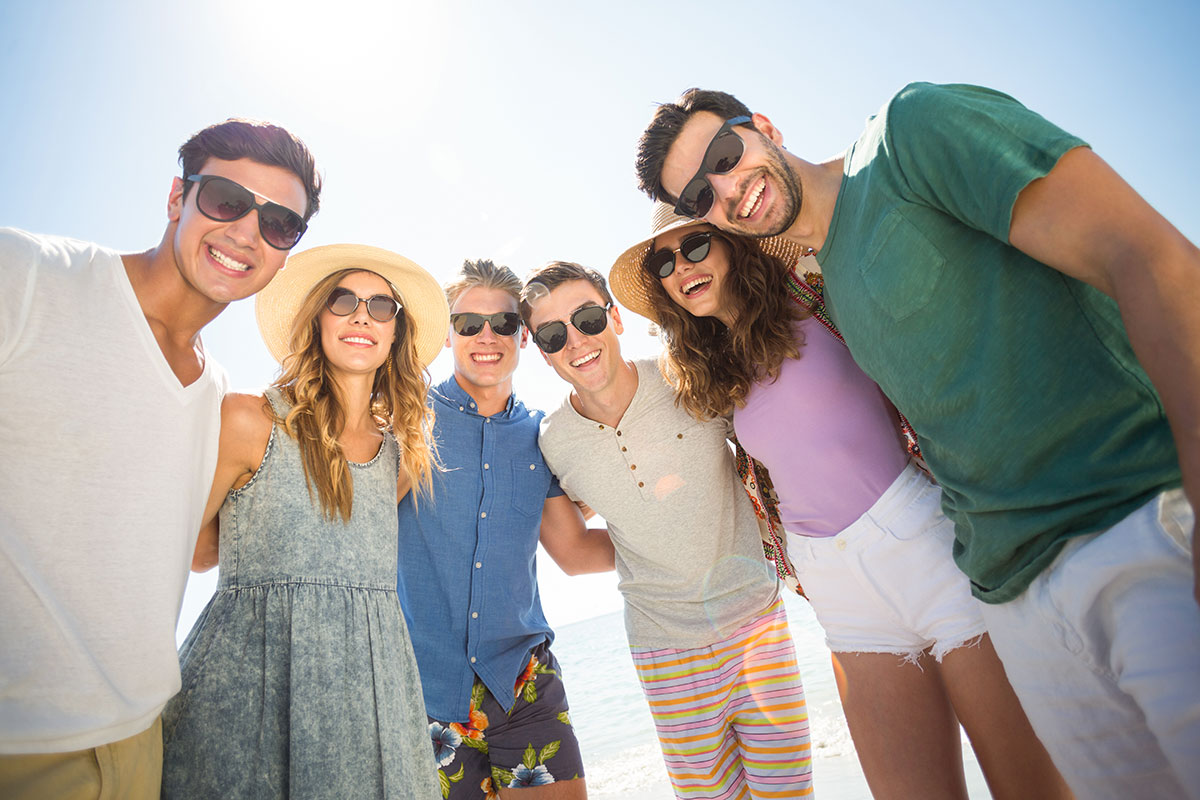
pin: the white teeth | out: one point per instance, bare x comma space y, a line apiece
226, 261
694, 283
485, 357
592, 356
357, 340
751, 204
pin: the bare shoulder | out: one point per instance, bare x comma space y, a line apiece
246, 423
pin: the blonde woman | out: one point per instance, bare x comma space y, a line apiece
299, 678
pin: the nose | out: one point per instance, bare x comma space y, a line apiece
359, 315
486, 334
244, 231
724, 187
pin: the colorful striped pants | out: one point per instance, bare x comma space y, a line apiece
731, 717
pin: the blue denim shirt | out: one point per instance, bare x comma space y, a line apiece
467, 573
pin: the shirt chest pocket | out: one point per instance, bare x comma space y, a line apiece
530, 482
903, 266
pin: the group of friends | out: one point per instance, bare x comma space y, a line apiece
948, 382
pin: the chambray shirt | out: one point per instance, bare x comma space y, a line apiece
467, 572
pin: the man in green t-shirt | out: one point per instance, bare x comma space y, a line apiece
1034, 318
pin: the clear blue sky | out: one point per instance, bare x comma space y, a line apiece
448, 130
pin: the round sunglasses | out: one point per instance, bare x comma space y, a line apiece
723, 154
343, 302
468, 323
589, 320
661, 263
223, 200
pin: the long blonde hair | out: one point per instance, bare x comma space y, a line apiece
317, 415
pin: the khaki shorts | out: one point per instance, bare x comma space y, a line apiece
129, 769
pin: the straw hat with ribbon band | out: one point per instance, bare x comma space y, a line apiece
629, 281
420, 295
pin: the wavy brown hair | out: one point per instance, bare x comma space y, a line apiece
318, 415
712, 366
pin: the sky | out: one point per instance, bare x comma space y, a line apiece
450, 130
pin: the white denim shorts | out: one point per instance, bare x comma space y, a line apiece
888, 583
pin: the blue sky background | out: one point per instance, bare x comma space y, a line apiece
451, 130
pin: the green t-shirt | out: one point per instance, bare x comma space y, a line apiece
1033, 412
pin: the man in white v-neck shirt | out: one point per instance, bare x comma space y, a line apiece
109, 418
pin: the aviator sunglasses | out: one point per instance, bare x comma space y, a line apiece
661, 263
723, 154
589, 320
468, 323
343, 302
223, 200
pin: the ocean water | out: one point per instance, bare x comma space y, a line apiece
620, 750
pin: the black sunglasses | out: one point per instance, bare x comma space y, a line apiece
468, 323
723, 154
589, 320
661, 263
223, 200
381, 307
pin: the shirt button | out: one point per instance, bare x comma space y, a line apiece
485, 466
640, 484
472, 659
483, 515
618, 433
472, 405
488, 420
460, 408
633, 466
474, 615
533, 466
478, 564
841, 545
623, 449
679, 436
601, 427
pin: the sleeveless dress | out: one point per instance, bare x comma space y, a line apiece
299, 678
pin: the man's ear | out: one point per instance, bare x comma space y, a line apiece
767, 128
616, 320
525, 337
175, 199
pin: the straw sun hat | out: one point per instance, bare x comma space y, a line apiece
629, 281
422, 298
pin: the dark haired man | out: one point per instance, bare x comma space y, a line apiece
1035, 319
109, 414
703, 616
468, 574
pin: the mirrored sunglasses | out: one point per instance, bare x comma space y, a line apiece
723, 154
223, 200
589, 320
504, 323
661, 263
381, 307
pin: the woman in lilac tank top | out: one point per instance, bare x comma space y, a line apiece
865, 534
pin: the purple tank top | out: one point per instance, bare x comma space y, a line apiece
825, 432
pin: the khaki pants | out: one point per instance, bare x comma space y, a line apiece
130, 769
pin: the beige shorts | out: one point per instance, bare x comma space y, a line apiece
129, 769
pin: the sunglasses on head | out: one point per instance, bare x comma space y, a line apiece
223, 200
661, 263
723, 154
343, 302
589, 320
504, 323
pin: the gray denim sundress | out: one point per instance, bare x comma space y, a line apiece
299, 678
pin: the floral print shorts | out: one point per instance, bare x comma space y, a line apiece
532, 745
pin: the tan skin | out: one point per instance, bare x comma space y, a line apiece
1081, 219
904, 717
483, 367
246, 419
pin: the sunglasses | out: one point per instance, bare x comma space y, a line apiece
381, 307
723, 154
589, 320
504, 323
222, 200
661, 263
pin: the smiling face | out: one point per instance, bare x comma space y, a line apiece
358, 343
226, 261
485, 360
698, 288
761, 196
591, 364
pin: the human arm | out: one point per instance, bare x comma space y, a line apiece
245, 430
1085, 221
576, 549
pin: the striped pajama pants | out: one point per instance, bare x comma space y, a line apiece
731, 717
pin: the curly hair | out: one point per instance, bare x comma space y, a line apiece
712, 366
317, 414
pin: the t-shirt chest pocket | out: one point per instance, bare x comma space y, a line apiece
902, 266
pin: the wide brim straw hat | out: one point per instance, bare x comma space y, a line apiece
630, 282
420, 295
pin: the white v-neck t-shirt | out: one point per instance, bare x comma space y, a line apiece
106, 462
